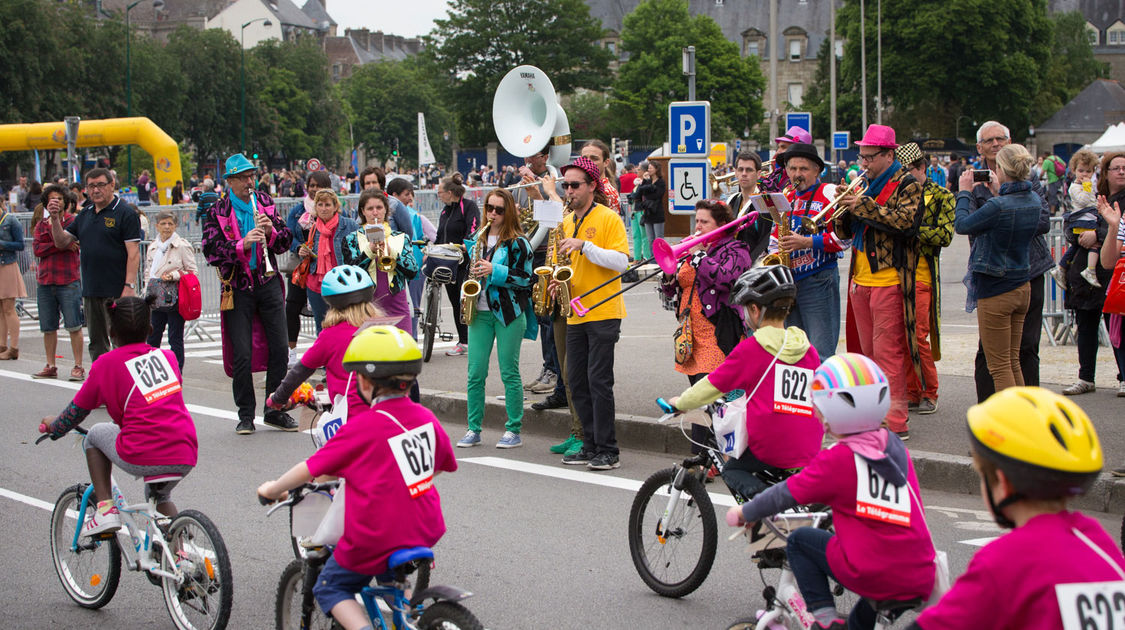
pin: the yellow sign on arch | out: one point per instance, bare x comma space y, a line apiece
718, 154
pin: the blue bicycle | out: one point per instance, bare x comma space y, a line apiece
407, 607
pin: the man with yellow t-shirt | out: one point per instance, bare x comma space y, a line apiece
882, 223
595, 244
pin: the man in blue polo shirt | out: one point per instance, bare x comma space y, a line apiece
109, 232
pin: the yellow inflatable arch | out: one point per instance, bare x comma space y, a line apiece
99, 133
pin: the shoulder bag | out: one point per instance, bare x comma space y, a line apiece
301, 272
1115, 292
682, 338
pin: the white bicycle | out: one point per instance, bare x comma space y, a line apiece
185, 556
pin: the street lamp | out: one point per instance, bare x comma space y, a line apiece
242, 37
156, 4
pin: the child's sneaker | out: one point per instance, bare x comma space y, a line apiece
102, 522
1058, 274
472, 438
1091, 276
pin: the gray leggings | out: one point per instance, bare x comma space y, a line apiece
103, 436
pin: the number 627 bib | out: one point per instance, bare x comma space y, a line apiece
414, 454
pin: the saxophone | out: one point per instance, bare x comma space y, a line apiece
782, 220
542, 298
470, 288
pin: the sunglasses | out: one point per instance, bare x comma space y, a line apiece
572, 185
493, 209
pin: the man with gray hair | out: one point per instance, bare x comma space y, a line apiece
991, 137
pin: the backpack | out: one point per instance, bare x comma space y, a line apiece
191, 297
1060, 168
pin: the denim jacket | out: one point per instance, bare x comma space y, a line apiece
1041, 260
11, 238
1004, 227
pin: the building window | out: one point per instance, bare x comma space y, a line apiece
796, 94
611, 47
794, 50
752, 49
1092, 32
718, 3
839, 49
1115, 34
335, 72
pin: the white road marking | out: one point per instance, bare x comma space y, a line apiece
23, 498
978, 542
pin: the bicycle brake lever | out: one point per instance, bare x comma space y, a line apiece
44, 437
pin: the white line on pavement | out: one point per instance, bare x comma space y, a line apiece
978, 542
23, 498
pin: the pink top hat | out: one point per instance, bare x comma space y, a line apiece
878, 136
795, 135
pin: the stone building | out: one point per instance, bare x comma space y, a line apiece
1105, 25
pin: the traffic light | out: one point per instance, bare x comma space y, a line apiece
394, 151
255, 156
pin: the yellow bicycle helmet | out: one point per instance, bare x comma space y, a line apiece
380, 352
1044, 443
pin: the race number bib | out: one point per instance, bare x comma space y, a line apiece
153, 375
792, 390
1091, 606
878, 499
414, 453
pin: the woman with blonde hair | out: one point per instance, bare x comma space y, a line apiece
501, 261
1004, 227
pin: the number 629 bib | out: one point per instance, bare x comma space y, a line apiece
153, 375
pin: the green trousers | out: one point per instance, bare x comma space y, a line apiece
483, 332
642, 249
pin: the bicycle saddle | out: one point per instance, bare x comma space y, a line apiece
895, 607
403, 556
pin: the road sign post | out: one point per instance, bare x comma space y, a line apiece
689, 128
799, 119
688, 179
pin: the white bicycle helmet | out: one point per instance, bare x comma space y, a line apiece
851, 393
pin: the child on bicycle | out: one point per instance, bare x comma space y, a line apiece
152, 433
882, 548
388, 456
782, 432
1034, 450
347, 290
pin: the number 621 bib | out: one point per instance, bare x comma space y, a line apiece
878, 499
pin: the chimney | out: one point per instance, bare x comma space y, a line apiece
377, 41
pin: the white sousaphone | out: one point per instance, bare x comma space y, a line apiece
527, 116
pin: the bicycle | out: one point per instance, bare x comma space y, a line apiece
657, 535
295, 606
785, 607
185, 556
440, 269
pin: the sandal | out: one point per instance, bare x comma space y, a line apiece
77, 373
11, 354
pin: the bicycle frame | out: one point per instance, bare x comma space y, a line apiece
136, 549
371, 596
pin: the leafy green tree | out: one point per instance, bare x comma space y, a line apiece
654, 35
1072, 65
588, 115
384, 99
209, 77
481, 40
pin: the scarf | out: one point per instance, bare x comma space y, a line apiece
306, 218
244, 213
870, 445
161, 251
325, 257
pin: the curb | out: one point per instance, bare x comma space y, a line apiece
935, 471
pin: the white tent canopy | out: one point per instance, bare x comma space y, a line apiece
1112, 140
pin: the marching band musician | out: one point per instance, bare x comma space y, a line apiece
882, 224
595, 244
747, 168
501, 262
776, 180
812, 257
365, 252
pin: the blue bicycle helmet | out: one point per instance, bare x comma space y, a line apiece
345, 285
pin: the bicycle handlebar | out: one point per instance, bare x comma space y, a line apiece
297, 494
45, 436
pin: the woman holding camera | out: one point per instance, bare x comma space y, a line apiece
384, 254
1004, 227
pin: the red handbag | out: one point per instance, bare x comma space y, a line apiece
191, 297
301, 272
1115, 293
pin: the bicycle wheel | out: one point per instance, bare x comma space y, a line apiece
677, 564
448, 616
91, 572
204, 598
295, 611
430, 322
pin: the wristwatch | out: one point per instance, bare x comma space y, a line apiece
131, 285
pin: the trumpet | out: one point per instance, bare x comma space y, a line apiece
524, 185
816, 223
470, 288
717, 181
389, 250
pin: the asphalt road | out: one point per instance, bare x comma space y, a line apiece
540, 544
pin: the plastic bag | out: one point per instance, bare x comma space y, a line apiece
331, 527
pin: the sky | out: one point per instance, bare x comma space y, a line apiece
409, 19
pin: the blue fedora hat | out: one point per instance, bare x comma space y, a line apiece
238, 164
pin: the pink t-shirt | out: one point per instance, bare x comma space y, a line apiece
779, 439
1010, 582
157, 433
390, 502
328, 352
869, 557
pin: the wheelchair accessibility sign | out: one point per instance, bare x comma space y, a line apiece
688, 180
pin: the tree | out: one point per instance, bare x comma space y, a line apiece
209, 77
1072, 65
482, 40
654, 35
588, 115
384, 100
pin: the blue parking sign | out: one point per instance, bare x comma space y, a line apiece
689, 128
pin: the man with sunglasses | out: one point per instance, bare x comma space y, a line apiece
595, 244
882, 223
991, 137
110, 233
